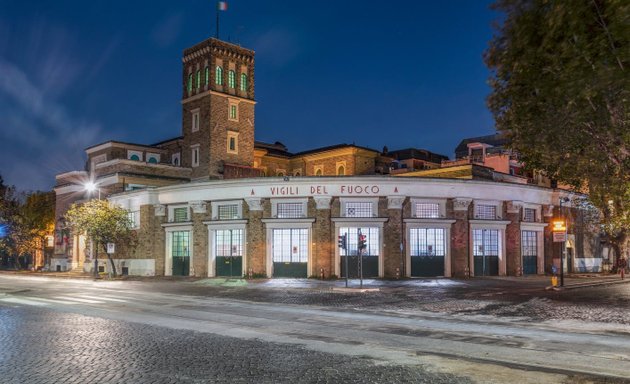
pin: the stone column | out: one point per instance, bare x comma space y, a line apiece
256, 237
460, 237
199, 238
156, 236
394, 257
323, 236
514, 265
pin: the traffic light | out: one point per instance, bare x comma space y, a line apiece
362, 242
342, 241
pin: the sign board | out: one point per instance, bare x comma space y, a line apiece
559, 237
559, 226
111, 248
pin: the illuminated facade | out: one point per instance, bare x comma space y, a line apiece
215, 202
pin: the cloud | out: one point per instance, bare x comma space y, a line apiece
39, 138
277, 47
166, 32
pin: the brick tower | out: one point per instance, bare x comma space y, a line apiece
217, 108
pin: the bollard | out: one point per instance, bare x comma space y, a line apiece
250, 272
322, 274
398, 273
554, 281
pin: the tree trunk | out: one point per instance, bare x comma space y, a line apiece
95, 259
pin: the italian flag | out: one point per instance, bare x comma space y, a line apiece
222, 5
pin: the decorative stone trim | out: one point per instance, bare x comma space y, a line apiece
461, 204
395, 202
160, 210
254, 203
514, 206
322, 202
198, 206
548, 210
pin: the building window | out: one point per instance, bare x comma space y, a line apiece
290, 210
529, 214
319, 171
175, 159
486, 212
179, 214
233, 111
232, 143
426, 242
485, 242
228, 212
195, 120
358, 209
195, 156
243, 82
134, 155
228, 242
427, 210
352, 241
207, 75
218, 76
190, 82
134, 219
231, 79
341, 171
198, 79
290, 245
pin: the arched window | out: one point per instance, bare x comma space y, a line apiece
318, 172
190, 81
218, 76
243, 82
198, 79
341, 171
152, 160
231, 79
280, 174
134, 158
207, 73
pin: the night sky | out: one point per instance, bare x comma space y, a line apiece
374, 73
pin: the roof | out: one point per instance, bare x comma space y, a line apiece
167, 141
416, 153
496, 140
332, 148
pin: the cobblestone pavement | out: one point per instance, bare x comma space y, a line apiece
40, 346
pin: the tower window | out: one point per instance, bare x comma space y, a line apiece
218, 76
243, 82
190, 82
207, 77
195, 120
198, 79
195, 155
232, 142
231, 79
233, 112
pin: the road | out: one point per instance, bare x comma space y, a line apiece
54, 330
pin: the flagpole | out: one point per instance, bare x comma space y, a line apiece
217, 10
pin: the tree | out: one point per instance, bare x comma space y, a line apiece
102, 223
560, 91
35, 221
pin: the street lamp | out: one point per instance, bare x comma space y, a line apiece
564, 243
91, 186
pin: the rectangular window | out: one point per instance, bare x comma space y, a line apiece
359, 209
487, 212
195, 121
232, 144
228, 212
233, 112
352, 241
229, 242
529, 214
134, 219
427, 210
529, 245
181, 244
426, 242
290, 210
195, 156
485, 242
180, 214
290, 245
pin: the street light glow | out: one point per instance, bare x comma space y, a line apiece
90, 186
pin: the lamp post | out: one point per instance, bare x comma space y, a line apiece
563, 244
90, 187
